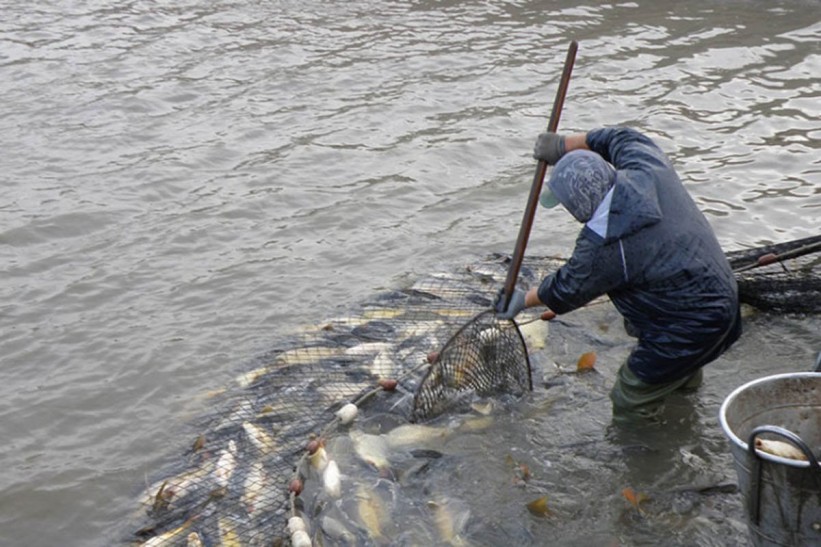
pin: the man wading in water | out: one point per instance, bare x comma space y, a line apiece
647, 246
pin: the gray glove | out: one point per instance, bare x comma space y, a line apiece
549, 148
517, 304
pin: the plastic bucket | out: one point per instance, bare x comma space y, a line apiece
782, 495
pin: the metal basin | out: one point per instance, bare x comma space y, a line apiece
782, 495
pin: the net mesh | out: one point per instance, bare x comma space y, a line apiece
486, 356
233, 483
792, 285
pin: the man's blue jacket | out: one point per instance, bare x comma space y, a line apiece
658, 260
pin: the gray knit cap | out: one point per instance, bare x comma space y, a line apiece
579, 181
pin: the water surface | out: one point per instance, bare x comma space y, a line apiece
185, 183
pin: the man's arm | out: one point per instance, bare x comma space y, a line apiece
532, 300
623, 147
576, 141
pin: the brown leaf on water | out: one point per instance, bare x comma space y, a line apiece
524, 472
635, 498
539, 507
586, 361
161, 499
521, 471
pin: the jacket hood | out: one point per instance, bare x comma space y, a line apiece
579, 181
634, 206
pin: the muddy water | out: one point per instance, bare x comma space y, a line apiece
185, 183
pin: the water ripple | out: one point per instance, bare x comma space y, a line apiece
182, 182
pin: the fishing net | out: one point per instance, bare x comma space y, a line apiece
250, 461
250, 465
783, 277
486, 356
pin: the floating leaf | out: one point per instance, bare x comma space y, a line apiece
162, 497
521, 471
539, 507
524, 472
635, 498
199, 443
586, 361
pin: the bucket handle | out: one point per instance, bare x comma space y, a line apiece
755, 472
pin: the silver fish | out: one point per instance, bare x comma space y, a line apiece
780, 448
319, 459
535, 334
259, 437
226, 464
335, 392
228, 533
450, 518
384, 365
372, 449
367, 349
193, 540
292, 357
416, 435
372, 513
170, 537
257, 489
171, 491
336, 531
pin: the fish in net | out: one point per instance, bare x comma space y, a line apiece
486, 356
234, 481
232, 490
251, 457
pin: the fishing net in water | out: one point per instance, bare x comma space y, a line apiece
783, 277
251, 464
486, 356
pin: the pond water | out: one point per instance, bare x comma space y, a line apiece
184, 184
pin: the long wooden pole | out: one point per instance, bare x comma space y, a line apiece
538, 179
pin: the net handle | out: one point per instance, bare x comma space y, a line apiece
772, 258
538, 179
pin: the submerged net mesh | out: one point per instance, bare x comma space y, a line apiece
232, 485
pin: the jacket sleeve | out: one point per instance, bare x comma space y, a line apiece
627, 149
593, 270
